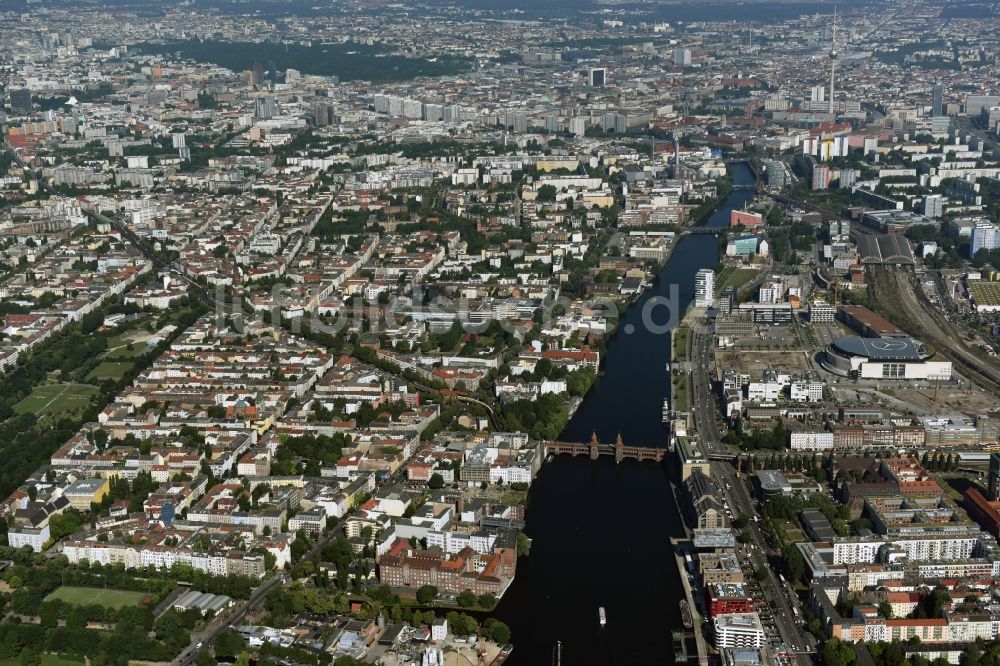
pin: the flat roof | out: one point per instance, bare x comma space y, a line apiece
879, 349
877, 323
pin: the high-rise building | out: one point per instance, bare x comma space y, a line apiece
598, 77
682, 57
817, 94
820, 177
994, 478
451, 113
322, 114
974, 104
848, 177
20, 102
578, 125
704, 288
775, 173
985, 236
266, 108
937, 100
933, 205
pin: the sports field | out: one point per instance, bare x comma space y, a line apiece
88, 596
53, 399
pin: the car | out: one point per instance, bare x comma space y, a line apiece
198, 646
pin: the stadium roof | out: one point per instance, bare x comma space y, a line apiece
878, 349
885, 249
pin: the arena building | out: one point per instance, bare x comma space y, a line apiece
883, 358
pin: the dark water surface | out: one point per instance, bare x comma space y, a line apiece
601, 531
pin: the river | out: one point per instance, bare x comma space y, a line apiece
601, 531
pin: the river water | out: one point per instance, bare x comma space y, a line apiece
601, 531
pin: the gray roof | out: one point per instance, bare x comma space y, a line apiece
885, 249
879, 349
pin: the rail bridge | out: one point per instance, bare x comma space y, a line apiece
596, 449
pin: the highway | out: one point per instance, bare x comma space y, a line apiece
703, 402
759, 558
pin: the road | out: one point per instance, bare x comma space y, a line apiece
760, 558
703, 402
199, 641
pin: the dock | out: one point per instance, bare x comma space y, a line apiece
679, 548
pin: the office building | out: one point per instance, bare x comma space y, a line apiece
817, 94
974, 104
20, 102
598, 77
994, 479
704, 288
682, 57
937, 100
266, 108
739, 631
322, 114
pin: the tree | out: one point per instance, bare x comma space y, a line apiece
837, 653
466, 599
436, 482
229, 644
487, 600
496, 631
205, 658
547, 193
426, 594
794, 562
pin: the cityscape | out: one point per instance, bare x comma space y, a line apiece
469, 333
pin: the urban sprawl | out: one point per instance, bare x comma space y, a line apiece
297, 304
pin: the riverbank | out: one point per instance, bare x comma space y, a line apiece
599, 527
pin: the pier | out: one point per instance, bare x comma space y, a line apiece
681, 653
595, 449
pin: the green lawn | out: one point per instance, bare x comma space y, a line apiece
735, 278
55, 399
47, 660
118, 344
85, 596
109, 370
680, 341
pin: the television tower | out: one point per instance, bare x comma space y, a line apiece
833, 61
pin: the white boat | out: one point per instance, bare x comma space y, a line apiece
601, 616
666, 410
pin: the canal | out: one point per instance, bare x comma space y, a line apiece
601, 531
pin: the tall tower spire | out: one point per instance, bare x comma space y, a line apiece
833, 61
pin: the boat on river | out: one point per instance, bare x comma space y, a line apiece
686, 614
602, 616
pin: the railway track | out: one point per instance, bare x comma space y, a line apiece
894, 290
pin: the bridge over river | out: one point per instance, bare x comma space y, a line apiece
595, 449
